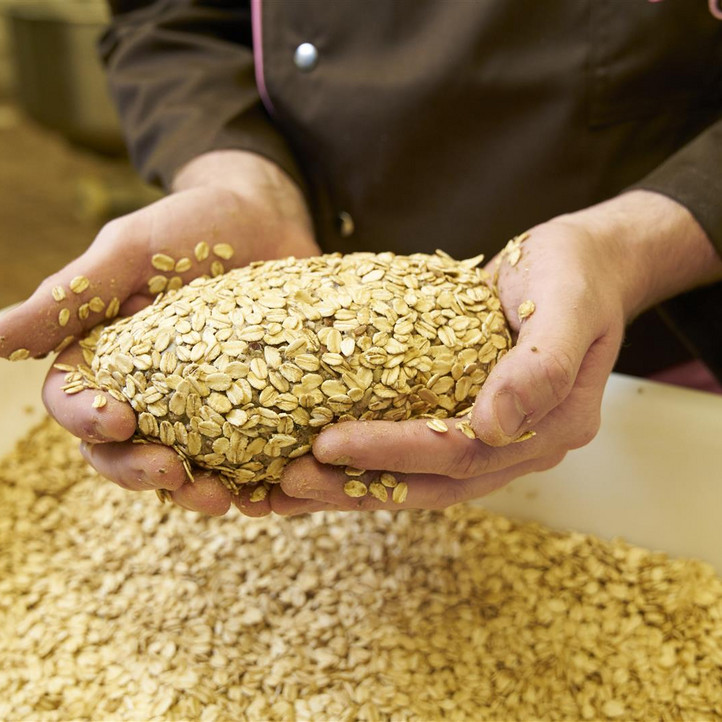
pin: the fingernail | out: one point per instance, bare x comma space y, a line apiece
509, 412
341, 460
94, 431
182, 504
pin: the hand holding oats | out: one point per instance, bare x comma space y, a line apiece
568, 288
229, 209
239, 373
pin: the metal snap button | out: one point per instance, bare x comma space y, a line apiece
306, 57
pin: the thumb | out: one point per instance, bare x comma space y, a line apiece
87, 291
534, 377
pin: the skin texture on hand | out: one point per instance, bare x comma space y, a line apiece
588, 274
225, 198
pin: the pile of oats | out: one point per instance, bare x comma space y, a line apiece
240, 372
115, 609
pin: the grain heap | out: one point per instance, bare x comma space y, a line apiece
113, 609
240, 372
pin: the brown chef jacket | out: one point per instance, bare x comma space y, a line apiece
418, 124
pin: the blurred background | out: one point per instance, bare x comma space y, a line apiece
63, 167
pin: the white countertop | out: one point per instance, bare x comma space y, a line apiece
653, 474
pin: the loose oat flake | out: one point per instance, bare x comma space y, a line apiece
466, 429
223, 250
79, 284
526, 309
201, 251
99, 401
437, 425
162, 262
183, 265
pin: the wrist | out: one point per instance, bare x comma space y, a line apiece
250, 176
657, 248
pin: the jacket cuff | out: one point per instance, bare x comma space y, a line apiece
181, 76
252, 132
693, 178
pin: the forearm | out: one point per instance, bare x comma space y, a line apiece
663, 249
250, 176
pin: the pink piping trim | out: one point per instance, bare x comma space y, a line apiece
257, 29
690, 374
714, 7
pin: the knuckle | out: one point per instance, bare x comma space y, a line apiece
120, 232
54, 279
447, 495
113, 228
111, 231
560, 372
585, 433
549, 462
469, 461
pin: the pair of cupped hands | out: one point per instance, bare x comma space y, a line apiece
586, 276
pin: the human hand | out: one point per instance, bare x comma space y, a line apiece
587, 274
236, 204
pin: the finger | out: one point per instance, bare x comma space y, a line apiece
137, 467
205, 494
533, 380
80, 413
276, 501
285, 505
244, 502
309, 482
412, 447
87, 291
307, 479
539, 372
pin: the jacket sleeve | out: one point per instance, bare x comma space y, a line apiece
693, 177
181, 74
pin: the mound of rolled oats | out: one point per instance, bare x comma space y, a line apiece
240, 372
